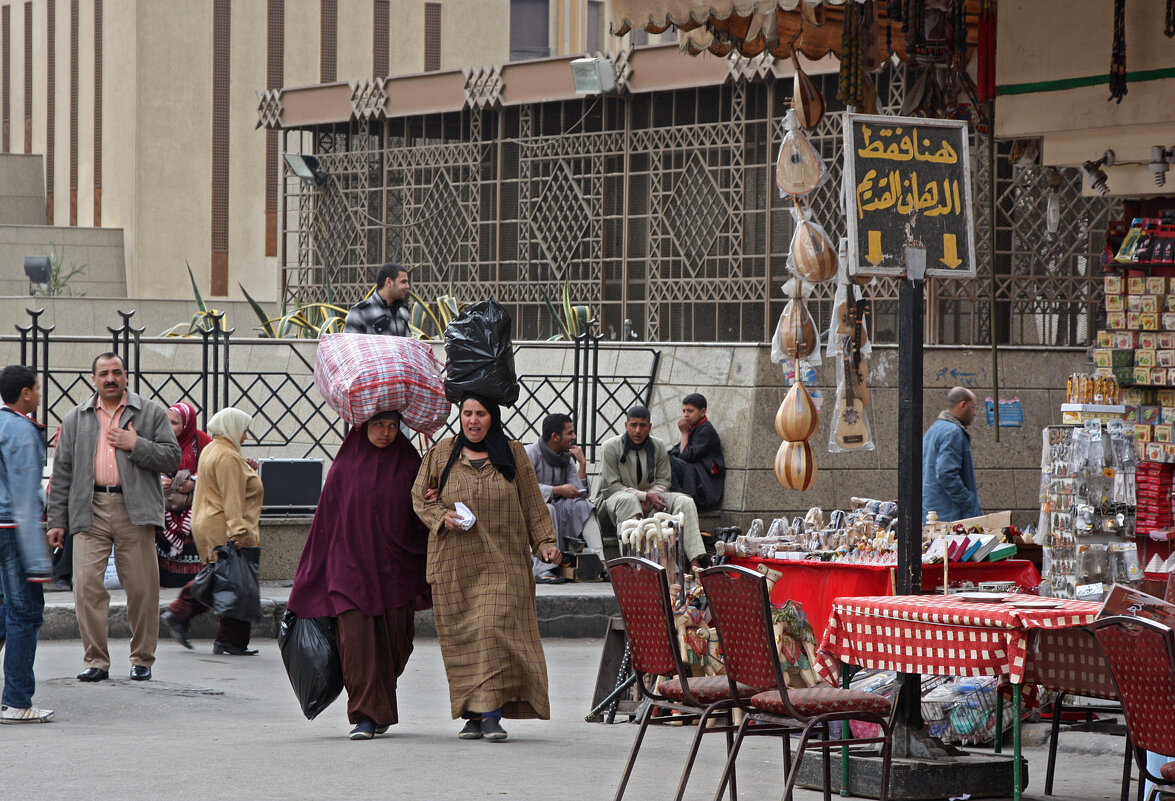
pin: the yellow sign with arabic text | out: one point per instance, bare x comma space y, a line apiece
908, 183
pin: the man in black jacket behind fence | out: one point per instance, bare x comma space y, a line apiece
697, 464
386, 311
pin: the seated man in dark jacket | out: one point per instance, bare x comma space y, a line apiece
697, 464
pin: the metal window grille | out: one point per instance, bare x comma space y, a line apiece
73, 112
380, 35
274, 76
28, 77
432, 37
221, 32
659, 209
328, 48
5, 88
50, 104
97, 113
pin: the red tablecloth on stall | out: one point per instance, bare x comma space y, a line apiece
940, 635
814, 585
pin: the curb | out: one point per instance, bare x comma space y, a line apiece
570, 616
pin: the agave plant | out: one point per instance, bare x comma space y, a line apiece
572, 320
205, 319
310, 321
429, 324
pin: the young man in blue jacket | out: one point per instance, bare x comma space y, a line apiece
948, 477
24, 563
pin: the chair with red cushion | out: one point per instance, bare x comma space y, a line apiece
642, 591
742, 614
1141, 655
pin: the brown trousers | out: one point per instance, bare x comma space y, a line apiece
374, 652
138, 571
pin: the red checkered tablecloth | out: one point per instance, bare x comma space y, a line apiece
939, 635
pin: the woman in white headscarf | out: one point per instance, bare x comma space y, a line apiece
226, 508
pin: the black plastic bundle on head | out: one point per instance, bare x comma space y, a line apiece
479, 355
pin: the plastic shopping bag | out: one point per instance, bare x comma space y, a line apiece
310, 652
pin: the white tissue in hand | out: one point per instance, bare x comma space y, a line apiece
467, 518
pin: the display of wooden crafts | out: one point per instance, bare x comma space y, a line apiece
799, 169
795, 465
797, 419
851, 322
806, 97
813, 255
797, 330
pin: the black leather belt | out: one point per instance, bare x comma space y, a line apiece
112, 490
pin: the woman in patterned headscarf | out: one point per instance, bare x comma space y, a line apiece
179, 559
482, 583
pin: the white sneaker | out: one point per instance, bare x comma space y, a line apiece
10, 714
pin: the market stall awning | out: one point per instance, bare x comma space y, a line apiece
754, 26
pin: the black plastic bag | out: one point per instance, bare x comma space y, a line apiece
310, 652
231, 585
479, 355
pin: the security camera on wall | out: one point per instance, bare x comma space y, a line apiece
592, 76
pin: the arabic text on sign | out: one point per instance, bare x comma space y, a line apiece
906, 148
905, 195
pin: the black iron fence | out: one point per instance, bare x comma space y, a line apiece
290, 416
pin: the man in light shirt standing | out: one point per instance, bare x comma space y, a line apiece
106, 491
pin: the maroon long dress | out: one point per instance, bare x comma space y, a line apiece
364, 564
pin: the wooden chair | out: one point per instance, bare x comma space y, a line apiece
742, 614
642, 591
1141, 656
1070, 662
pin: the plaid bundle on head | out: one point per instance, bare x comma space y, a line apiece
361, 375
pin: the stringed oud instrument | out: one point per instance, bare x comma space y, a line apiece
798, 170
806, 97
851, 431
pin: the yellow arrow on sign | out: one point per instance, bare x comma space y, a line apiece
950, 251
873, 256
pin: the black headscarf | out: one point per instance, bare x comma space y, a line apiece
494, 444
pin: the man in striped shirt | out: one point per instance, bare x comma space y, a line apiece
106, 491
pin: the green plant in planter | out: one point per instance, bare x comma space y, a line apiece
310, 321
205, 319
60, 276
571, 320
429, 324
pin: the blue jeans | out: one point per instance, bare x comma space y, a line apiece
22, 609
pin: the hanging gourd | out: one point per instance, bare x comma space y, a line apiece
797, 419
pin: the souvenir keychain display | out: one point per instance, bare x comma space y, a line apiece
1088, 498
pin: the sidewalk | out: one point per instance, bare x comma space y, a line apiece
228, 727
574, 610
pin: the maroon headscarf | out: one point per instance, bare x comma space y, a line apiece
366, 548
191, 439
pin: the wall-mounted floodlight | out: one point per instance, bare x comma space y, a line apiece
38, 269
593, 76
307, 168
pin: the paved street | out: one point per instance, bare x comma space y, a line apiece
221, 727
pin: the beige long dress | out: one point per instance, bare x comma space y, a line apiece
482, 584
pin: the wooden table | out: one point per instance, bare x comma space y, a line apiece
946, 636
